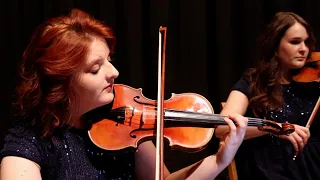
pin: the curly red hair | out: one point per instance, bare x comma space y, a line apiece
57, 49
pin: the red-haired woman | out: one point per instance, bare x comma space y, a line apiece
66, 75
270, 92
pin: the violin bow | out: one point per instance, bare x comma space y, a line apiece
313, 114
311, 118
160, 111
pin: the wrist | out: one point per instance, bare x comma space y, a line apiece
209, 168
217, 163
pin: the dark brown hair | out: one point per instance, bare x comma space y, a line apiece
57, 49
265, 79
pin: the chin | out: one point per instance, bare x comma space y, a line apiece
101, 101
107, 99
298, 65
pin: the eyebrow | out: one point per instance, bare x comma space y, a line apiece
298, 38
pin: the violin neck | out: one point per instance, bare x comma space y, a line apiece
177, 118
195, 119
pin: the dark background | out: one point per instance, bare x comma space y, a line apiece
209, 44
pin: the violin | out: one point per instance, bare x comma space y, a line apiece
311, 70
188, 121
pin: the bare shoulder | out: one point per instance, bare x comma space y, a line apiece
13, 167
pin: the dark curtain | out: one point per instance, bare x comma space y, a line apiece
209, 44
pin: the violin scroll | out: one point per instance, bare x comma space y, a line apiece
274, 128
287, 128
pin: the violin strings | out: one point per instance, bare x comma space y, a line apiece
153, 112
195, 115
184, 116
216, 122
135, 122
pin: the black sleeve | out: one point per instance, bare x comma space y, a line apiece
243, 86
23, 143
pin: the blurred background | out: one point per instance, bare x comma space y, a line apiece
210, 43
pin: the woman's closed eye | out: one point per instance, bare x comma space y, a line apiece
95, 69
295, 41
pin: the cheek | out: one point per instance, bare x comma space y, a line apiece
91, 88
87, 87
293, 50
287, 52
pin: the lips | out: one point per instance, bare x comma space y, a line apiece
301, 58
109, 87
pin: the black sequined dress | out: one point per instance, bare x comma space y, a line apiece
269, 157
68, 156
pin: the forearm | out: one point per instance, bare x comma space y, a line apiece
251, 132
204, 169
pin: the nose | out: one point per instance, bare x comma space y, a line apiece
303, 49
112, 72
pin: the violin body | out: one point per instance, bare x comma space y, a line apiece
311, 71
133, 121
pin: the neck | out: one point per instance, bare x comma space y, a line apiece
74, 120
285, 76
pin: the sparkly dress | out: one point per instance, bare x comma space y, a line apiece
68, 156
269, 157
